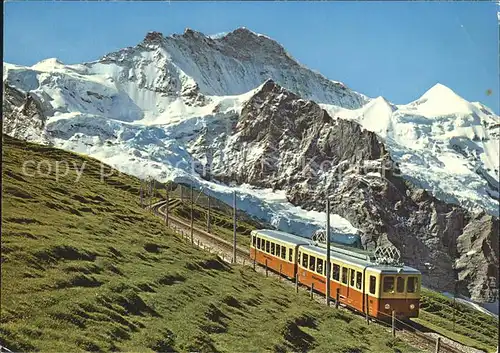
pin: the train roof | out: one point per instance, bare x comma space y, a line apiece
283, 236
342, 257
352, 256
359, 261
297, 240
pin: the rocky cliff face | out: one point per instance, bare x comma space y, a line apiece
284, 142
242, 60
24, 114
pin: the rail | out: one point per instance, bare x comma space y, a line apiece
4, 349
158, 206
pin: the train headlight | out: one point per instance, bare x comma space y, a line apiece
412, 306
387, 306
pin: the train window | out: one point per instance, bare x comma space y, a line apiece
272, 248
319, 266
312, 262
258, 243
411, 285
388, 284
267, 246
400, 284
305, 260
359, 279
353, 277
253, 240
283, 252
336, 272
373, 284
344, 275
278, 250
290, 255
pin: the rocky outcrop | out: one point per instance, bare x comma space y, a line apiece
284, 142
24, 114
477, 261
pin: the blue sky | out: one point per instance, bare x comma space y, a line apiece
394, 49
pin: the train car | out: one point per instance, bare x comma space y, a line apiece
362, 283
276, 250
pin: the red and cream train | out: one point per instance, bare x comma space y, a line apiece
363, 284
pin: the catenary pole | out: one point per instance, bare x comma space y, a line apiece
192, 220
327, 251
234, 226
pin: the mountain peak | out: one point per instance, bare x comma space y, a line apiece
152, 37
381, 103
270, 85
48, 64
245, 31
188, 32
440, 100
243, 34
440, 91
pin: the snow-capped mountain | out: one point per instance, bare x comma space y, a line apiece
441, 143
236, 111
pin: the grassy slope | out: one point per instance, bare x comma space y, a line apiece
471, 328
84, 267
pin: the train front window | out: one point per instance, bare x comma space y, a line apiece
411, 284
305, 260
290, 255
353, 277
253, 240
258, 243
359, 277
344, 275
400, 284
312, 262
319, 266
267, 246
336, 272
283, 252
388, 284
373, 284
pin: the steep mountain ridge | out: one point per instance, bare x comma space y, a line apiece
241, 60
237, 109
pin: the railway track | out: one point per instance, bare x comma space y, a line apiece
4, 349
181, 224
409, 330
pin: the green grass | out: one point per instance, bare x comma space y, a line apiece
84, 268
471, 328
